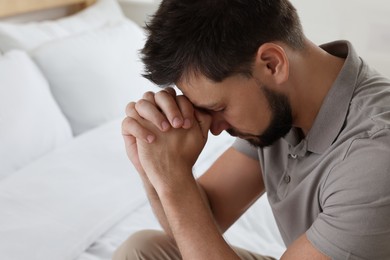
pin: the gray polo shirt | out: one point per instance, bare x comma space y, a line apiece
334, 184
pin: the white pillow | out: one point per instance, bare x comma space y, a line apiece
31, 123
94, 75
27, 36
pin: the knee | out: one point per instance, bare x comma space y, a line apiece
146, 244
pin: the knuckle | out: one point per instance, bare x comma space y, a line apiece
161, 95
182, 99
126, 124
130, 105
148, 95
130, 108
127, 121
170, 91
123, 125
184, 103
165, 100
130, 126
141, 103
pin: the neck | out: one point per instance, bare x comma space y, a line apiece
312, 73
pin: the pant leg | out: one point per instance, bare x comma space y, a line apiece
148, 245
156, 245
248, 255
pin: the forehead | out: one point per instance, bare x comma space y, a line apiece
205, 93
201, 91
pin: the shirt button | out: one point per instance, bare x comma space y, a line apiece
287, 178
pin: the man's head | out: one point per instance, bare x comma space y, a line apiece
210, 50
242, 106
216, 38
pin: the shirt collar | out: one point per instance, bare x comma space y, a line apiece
334, 109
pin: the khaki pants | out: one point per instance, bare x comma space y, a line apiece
155, 245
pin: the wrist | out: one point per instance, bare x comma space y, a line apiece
175, 182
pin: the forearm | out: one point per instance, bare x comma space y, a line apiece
192, 223
155, 203
158, 210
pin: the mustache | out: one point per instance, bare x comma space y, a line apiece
232, 132
254, 140
235, 133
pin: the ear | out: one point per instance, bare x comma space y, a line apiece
272, 61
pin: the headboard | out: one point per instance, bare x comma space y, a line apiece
16, 7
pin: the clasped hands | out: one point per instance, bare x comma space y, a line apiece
164, 135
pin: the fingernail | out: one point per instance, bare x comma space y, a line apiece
150, 138
177, 122
165, 125
187, 123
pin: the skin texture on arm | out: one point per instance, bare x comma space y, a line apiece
232, 184
132, 153
178, 201
303, 249
176, 111
168, 165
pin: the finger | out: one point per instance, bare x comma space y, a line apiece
149, 96
204, 120
187, 110
131, 127
150, 112
158, 119
171, 91
145, 110
130, 109
168, 105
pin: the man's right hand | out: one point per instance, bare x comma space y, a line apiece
163, 109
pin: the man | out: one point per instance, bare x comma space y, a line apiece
312, 126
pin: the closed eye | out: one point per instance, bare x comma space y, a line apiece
220, 109
210, 109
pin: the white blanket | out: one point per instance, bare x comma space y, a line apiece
56, 207
85, 198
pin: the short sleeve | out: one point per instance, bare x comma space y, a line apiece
246, 148
355, 199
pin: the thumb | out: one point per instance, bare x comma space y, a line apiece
204, 121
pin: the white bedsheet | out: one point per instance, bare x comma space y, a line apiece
84, 199
58, 206
256, 230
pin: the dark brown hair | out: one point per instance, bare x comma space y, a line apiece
217, 38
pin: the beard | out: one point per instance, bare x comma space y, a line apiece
281, 120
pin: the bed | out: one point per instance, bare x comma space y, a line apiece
67, 190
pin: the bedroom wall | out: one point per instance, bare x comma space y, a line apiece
365, 23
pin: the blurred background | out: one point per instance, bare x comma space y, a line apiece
365, 23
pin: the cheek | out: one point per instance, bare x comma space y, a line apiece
250, 119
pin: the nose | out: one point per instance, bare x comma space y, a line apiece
218, 124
